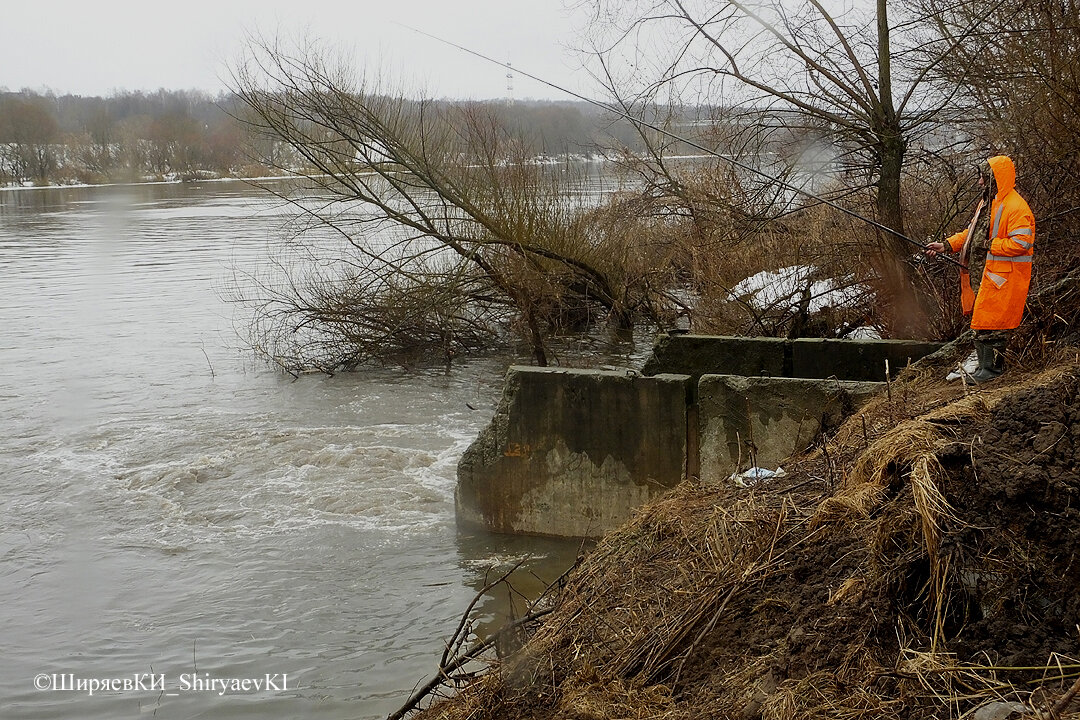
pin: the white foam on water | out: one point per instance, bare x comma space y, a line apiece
192, 478
159, 487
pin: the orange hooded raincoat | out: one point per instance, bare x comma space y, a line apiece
1005, 281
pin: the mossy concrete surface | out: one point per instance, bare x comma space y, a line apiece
699, 355
855, 359
573, 452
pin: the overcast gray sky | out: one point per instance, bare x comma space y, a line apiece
95, 47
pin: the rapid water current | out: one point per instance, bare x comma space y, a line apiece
174, 514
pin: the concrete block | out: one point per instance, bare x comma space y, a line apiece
854, 359
698, 355
746, 421
573, 452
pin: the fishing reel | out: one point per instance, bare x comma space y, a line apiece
920, 259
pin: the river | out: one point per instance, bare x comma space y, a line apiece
173, 511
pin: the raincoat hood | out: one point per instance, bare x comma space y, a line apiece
1004, 174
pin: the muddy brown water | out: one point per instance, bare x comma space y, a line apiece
175, 515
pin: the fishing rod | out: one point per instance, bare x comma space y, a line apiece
691, 143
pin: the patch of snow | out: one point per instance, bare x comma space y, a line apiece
769, 288
864, 332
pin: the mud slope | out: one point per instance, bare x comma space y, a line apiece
923, 564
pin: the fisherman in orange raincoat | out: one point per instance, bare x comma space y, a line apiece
996, 250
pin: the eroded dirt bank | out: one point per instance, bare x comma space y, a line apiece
921, 564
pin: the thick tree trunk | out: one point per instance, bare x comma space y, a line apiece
906, 310
888, 185
536, 338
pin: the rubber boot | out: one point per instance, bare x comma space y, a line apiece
980, 353
996, 357
991, 355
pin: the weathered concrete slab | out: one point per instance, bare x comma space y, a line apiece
762, 421
574, 452
855, 359
698, 355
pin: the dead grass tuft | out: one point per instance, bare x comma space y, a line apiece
717, 602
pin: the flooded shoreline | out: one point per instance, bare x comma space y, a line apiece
169, 502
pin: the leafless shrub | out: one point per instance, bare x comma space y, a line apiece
448, 235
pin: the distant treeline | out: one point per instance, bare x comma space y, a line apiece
182, 134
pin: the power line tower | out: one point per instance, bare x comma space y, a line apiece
509, 84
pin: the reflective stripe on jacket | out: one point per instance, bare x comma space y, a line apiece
1004, 287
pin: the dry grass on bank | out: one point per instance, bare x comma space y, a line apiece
919, 565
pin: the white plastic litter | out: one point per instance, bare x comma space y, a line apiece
967, 367
755, 476
1000, 710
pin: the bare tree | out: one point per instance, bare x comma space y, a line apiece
1022, 94
1020, 97
855, 83
448, 235
28, 132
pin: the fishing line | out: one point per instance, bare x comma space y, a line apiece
691, 143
